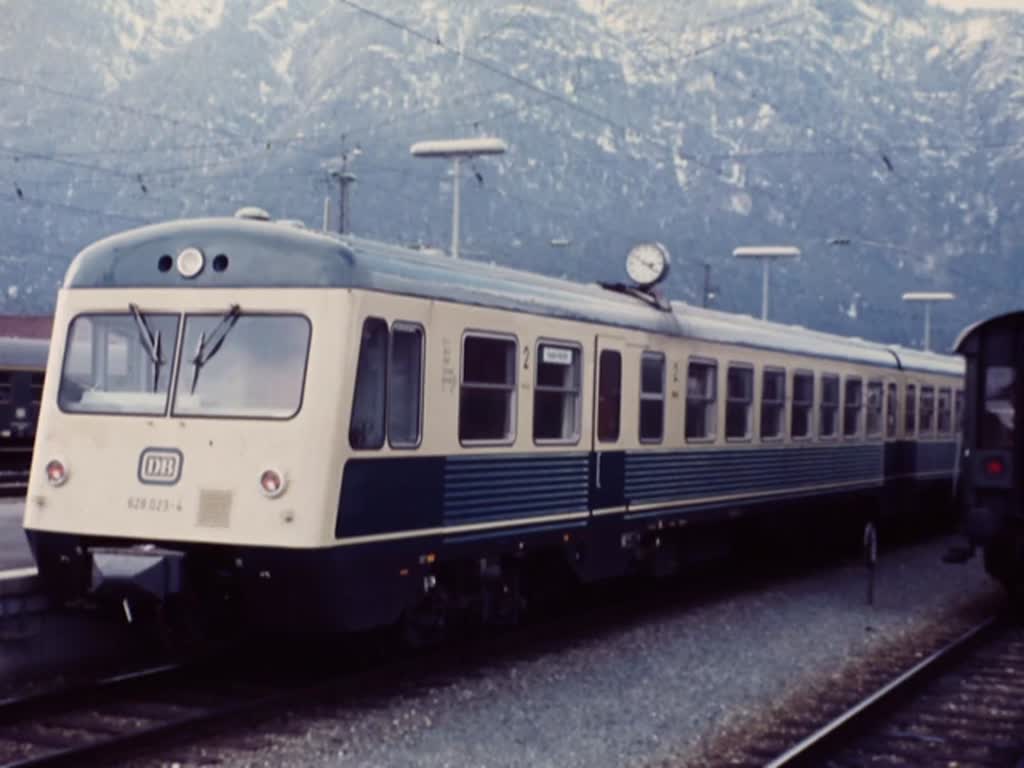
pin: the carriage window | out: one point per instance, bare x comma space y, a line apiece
997, 421
829, 410
910, 411
958, 413
803, 404
853, 403
118, 363
873, 422
487, 397
739, 397
652, 397
405, 381
6, 387
609, 396
240, 365
890, 410
927, 410
945, 413
366, 427
556, 399
700, 400
773, 403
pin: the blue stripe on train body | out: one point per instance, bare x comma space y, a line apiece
495, 495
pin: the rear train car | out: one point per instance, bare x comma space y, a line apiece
22, 371
992, 467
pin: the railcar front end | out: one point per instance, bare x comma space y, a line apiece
187, 454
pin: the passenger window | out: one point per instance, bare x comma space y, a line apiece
803, 405
945, 413
652, 397
700, 400
910, 414
6, 387
609, 396
556, 399
853, 404
488, 390
829, 410
890, 410
927, 410
958, 414
405, 380
366, 428
773, 403
873, 422
998, 419
739, 393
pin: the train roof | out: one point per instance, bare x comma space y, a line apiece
972, 330
23, 353
274, 254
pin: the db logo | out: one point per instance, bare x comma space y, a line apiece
160, 466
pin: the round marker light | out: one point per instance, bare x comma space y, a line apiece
56, 472
271, 483
190, 262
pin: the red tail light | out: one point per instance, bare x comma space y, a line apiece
271, 483
56, 472
994, 467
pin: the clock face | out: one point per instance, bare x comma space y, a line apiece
647, 264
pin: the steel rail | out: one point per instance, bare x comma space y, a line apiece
824, 741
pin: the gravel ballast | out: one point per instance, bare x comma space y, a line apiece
656, 690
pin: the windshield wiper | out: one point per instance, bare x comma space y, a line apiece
149, 341
208, 347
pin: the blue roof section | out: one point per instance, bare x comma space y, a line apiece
272, 254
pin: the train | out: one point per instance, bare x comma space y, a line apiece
991, 492
22, 372
295, 429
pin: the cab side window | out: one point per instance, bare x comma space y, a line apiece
366, 427
389, 386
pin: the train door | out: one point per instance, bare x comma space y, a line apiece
605, 556
607, 486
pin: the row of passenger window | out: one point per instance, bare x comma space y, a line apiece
387, 404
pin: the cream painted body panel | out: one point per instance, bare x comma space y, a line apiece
103, 493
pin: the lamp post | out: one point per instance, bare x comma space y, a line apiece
927, 297
457, 149
766, 254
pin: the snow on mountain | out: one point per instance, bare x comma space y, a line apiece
896, 125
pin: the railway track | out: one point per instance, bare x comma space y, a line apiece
963, 705
115, 716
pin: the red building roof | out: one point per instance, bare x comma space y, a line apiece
26, 326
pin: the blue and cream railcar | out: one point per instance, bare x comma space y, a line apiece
329, 432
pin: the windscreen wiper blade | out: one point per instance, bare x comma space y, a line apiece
150, 341
210, 346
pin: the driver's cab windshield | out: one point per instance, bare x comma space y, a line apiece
231, 364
